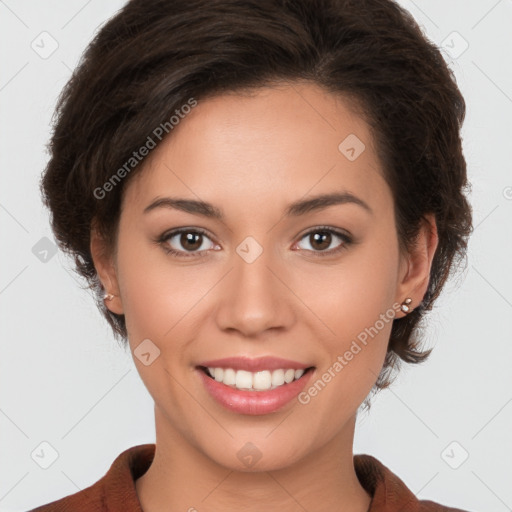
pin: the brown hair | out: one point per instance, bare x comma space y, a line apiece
153, 56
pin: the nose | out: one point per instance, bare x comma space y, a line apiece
254, 298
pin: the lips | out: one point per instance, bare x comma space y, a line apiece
255, 401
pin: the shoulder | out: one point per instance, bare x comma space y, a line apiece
389, 493
115, 491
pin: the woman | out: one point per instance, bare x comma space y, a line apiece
266, 197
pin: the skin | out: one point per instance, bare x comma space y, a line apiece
250, 156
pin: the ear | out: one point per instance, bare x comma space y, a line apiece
415, 267
106, 269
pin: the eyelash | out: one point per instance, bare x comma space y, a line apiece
162, 240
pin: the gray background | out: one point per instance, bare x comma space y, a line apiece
64, 381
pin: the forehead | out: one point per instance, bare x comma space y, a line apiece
265, 147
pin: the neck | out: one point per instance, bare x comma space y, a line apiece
182, 477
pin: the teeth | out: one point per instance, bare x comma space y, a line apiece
278, 378
289, 375
229, 377
262, 380
243, 379
255, 381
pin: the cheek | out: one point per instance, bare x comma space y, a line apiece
159, 296
355, 300
351, 295
150, 295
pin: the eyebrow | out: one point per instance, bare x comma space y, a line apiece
295, 209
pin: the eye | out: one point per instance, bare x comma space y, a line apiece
321, 238
191, 240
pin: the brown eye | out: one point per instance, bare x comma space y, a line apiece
191, 241
182, 241
321, 241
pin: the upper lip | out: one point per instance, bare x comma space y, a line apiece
254, 364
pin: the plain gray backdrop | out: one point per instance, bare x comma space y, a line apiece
444, 427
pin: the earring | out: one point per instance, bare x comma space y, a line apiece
405, 305
108, 296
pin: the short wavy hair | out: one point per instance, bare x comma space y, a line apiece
150, 58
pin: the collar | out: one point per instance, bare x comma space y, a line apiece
116, 492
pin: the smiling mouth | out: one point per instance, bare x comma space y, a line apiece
265, 380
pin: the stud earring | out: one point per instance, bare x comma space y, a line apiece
108, 296
405, 305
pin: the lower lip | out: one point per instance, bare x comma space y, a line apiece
254, 402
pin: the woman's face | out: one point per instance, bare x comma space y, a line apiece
317, 285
